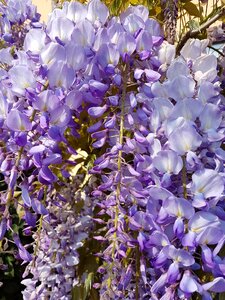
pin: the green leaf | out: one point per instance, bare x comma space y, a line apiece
135, 2
116, 6
192, 9
149, 4
222, 296
78, 293
193, 25
82, 291
88, 283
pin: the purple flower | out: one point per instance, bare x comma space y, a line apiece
188, 283
205, 68
168, 161
97, 11
21, 83
97, 111
108, 55
35, 41
178, 207
60, 75
181, 87
201, 220
60, 29
126, 44
75, 11
184, 138
75, 56
207, 183
17, 121
52, 53
133, 23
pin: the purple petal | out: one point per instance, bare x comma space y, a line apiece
34, 40
60, 116
207, 257
98, 87
23, 253
21, 83
52, 159
97, 11
189, 239
99, 134
60, 75
178, 207
201, 220
207, 182
108, 184
46, 174
52, 53
216, 286
181, 87
3, 227
178, 227
38, 207
74, 99
75, 55
46, 101
210, 236
188, 284
168, 161
157, 238
143, 271
13, 178
17, 121
97, 111
37, 149
99, 143
159, 284
139, 137
132, 171
95, 127
141, 240
30, 218
110, 123
25, 196
138, 73
60, 28
133, 100
173, 273
126, 44
152, 76
114, 100
184, 138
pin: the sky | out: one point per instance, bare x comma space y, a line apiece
44, 8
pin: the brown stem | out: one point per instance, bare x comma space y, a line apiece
194, 33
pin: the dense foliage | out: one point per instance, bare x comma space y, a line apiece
112, 156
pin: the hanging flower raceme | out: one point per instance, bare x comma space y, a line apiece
17, 17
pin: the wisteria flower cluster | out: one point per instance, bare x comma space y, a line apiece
108, 138
55, 251
17, 17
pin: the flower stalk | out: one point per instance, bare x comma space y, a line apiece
184, 177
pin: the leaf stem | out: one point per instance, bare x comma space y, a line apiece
137, 274
184, 177
119, 164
